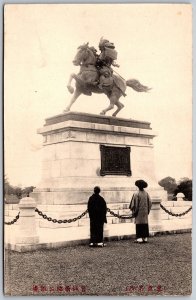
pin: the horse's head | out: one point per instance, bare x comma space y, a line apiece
85, 55
80, 55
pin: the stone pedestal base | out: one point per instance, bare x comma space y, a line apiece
73, 161
81, 195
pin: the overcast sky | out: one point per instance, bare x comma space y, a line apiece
154, 45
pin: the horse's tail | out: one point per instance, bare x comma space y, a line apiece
137, 86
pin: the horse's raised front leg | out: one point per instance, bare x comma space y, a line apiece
69, 87
73, 99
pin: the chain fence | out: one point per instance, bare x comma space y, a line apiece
14, 220
44, 216
117, 215
173, 214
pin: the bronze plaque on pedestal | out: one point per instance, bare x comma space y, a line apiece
115, 160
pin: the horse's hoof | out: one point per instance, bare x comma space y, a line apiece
66, 110
113, 115
102, 113
70, 89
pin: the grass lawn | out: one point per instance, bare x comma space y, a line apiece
161, 267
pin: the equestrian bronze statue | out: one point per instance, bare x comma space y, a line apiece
97, 76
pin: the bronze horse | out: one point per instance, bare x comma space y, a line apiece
88, 78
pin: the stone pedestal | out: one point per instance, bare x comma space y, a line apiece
27, 233
72, 144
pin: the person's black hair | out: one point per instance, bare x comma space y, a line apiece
97, 190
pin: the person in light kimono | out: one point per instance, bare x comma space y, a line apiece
140, 206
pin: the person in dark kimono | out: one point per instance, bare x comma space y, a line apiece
140, 206
97, 210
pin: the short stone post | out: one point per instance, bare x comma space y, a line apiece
180, 197
155, 222
27, 226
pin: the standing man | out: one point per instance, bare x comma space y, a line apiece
97, 210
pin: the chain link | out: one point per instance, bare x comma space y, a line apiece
14, 220
119, 216
175, 215
60, 221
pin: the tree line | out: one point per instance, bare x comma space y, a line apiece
184, 185
16, 190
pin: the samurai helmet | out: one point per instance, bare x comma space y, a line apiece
102, 43
105, 43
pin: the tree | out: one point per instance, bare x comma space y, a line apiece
8, 188
27, 190
185, 186
16, 190
169, 184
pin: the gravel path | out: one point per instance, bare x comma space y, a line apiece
161, 267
